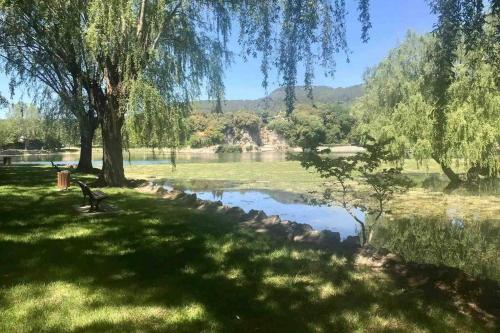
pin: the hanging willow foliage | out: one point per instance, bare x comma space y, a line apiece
397, 104
163, 52
146, 59
153, 121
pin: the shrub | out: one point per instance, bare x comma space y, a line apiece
229, 149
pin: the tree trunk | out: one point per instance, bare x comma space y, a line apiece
87, 129
452, 176
112, 159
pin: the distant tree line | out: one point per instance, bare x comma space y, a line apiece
309, 127
26, 127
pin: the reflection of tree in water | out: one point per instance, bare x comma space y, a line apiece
217, 194
284, 196
471, 246
439, 183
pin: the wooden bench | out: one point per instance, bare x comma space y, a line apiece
95, 197
55, 166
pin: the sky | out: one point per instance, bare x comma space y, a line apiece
391, 19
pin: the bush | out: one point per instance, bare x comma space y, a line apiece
229, 149
52, 143
246, 120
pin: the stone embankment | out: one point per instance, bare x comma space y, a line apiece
257, 220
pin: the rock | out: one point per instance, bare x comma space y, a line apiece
189, 199
273, 219
351, 241
256, 215
176, 194
393, 258
300, 228
329, 238
310, 237
235, 213
149, 187
160, 190
209, 205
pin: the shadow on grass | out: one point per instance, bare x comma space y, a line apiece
156, 267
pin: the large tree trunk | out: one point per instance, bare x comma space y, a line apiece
112, 159
87, 126
452, 175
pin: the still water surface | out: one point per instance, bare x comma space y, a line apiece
288, 206
148, 157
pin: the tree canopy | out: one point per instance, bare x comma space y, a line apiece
398, 103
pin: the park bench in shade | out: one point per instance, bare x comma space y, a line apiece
95, 197
55, 166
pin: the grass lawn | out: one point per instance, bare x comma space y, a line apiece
156, 267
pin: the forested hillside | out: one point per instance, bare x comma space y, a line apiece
274, 102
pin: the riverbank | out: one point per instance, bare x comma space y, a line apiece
156, 265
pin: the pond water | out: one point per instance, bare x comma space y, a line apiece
289, 207
144, 157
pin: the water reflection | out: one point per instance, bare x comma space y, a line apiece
148, 157
287, 205
472, 245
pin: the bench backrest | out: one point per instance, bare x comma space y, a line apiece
55, 166
85, 189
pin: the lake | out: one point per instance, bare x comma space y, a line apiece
142, 157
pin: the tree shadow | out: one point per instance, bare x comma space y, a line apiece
158, 267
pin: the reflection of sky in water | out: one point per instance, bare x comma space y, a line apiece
319, 217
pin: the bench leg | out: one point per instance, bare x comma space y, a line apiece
92, 205
97, 204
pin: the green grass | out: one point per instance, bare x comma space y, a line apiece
156, 267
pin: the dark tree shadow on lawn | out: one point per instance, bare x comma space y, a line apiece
156, 267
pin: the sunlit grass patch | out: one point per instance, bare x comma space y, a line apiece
162, 268
63, 306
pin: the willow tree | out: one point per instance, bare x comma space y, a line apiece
459, 22
398, 104
42, 46
155, 55
145, 60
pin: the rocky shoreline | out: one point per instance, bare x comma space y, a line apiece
473, 295
257, 220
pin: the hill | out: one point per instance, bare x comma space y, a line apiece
275, 100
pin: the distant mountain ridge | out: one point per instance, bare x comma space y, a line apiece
274, 102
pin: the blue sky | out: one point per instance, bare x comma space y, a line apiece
391, 19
